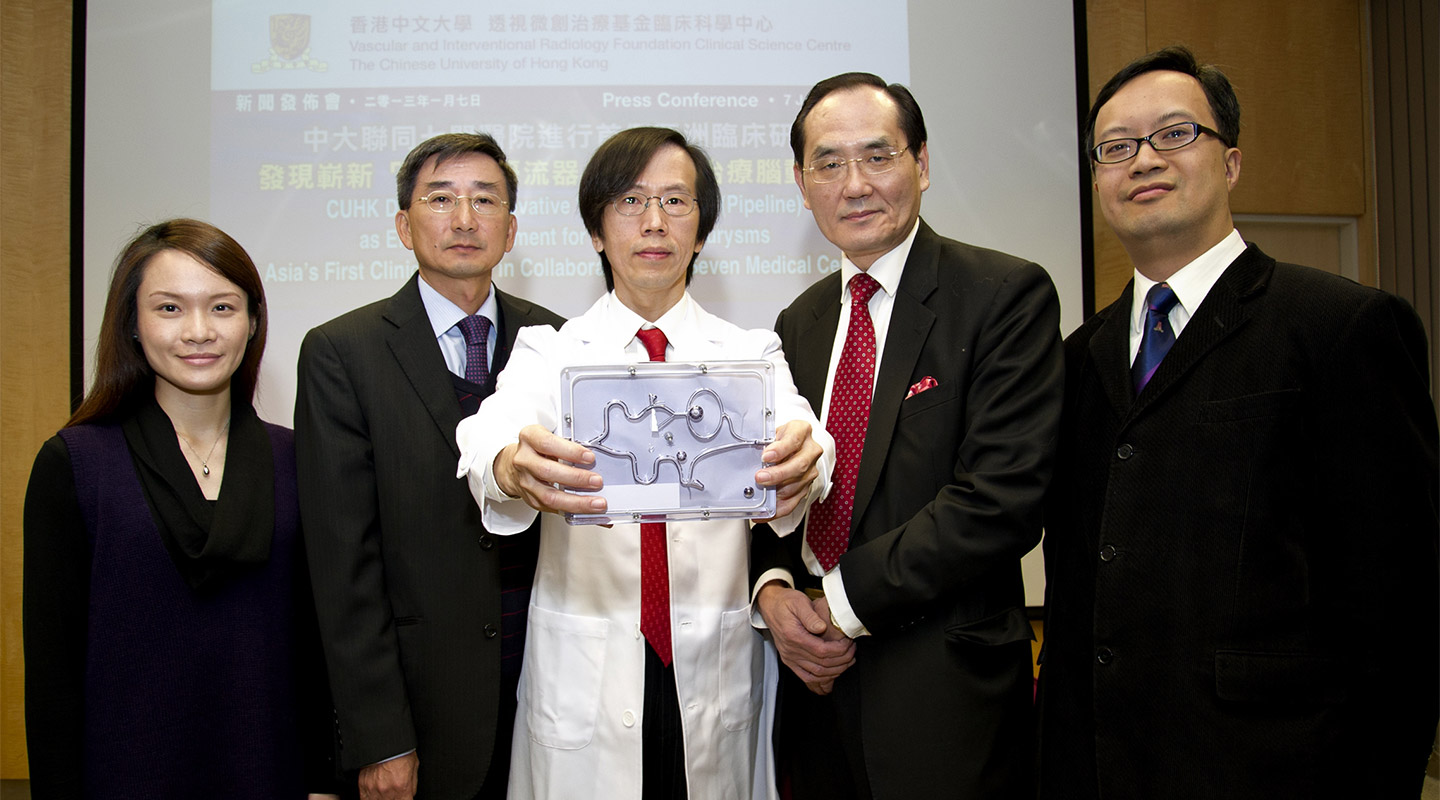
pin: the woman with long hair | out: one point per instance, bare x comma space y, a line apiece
169, 637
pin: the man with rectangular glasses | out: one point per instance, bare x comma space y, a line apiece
1241, 536
939, 363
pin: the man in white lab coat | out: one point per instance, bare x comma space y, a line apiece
614, 703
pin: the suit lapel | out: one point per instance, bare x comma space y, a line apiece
1110, 353
514, 314
910, 323
814, 343
413, 345
1223, 312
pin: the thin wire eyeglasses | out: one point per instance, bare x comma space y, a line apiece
675, 204
442, 202
1170, 137
833, 168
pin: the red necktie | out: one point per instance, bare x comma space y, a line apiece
828, 526
654, 561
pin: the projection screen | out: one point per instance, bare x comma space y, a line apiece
284, 122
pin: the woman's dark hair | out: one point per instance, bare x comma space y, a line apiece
123, 377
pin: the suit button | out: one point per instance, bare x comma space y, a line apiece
1124, 451
1104, 655
1107, 553
491, 631
487, 542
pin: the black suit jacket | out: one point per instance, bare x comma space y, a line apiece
1242, 560
947, 501
406, 579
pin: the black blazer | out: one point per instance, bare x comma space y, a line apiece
947, 501
406, 579
1242, 588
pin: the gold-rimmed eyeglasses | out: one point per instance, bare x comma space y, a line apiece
484, 203
833, 168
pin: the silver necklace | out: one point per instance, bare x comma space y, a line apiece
205, 462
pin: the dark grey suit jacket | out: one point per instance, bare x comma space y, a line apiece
947, 501
406, 579
1242, 575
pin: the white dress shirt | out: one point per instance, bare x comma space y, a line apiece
1190, 283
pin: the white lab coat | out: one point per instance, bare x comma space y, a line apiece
581, 697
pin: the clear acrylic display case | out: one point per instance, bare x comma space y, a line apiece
673, 440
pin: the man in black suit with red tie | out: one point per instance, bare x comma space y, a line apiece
1241, 536
937, 367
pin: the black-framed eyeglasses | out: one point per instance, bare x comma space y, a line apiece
484, 203
833, 168
675, 204
1170, 137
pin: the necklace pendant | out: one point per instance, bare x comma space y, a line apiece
205, 470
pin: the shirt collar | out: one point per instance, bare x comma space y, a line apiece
444, 314
620, 322
886, 270
1192, 282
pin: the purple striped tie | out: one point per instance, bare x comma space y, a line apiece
477, 335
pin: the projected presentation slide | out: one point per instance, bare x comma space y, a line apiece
313, 114
285, 122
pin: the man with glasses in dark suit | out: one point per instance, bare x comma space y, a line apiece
939, 362
422, 611
1241, 536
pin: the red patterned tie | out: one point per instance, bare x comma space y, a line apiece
654, 561
828, 527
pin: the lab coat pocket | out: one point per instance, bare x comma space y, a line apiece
564, 659
742, 670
